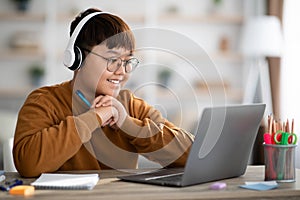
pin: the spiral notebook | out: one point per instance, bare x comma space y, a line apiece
66, 181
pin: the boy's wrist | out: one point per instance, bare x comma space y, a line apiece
85, 124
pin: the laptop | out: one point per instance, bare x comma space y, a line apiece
221, 149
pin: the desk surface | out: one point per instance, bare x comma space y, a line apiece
109, 187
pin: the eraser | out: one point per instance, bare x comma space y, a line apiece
25, 190
218, 186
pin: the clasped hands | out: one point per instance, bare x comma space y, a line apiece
110, 110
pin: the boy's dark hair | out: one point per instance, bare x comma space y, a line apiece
110, 29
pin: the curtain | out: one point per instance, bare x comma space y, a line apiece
275, 8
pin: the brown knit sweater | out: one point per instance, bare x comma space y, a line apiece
56, 131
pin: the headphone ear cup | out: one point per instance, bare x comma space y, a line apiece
79, 57
73, 55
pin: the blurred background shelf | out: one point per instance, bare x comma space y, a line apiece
22, 17
26, 54
209, 18
13, 93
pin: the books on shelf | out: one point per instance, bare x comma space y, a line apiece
66, 181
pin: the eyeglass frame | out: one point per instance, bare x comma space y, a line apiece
110, 59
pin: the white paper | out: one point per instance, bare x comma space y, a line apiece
66, 181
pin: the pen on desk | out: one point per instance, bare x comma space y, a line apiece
82, 97
9, 184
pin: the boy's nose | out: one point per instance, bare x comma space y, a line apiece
121, 69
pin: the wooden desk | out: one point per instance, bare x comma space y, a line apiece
109, 187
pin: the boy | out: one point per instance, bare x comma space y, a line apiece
89, 123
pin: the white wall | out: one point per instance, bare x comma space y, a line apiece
290, 68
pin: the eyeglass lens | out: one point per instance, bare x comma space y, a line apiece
115, 63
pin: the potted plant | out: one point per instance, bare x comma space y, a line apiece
164, 76
36, 74
22, 5
216, 6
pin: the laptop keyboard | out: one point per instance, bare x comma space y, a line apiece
168, 176
173, 178
161, 173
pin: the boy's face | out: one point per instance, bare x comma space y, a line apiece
96, 75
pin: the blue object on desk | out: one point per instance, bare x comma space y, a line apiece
9, 184
260, 186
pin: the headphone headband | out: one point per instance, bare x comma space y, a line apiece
69, 59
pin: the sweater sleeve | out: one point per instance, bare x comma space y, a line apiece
45, 139
154, 136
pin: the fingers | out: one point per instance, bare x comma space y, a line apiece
114, 118
118, 112
109, 115
107, 122
102, 101
110, 122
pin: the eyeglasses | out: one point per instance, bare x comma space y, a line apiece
113, 64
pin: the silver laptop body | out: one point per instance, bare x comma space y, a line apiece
221, 150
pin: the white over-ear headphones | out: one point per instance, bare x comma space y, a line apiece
73, 56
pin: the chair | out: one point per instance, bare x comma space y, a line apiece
8, 121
